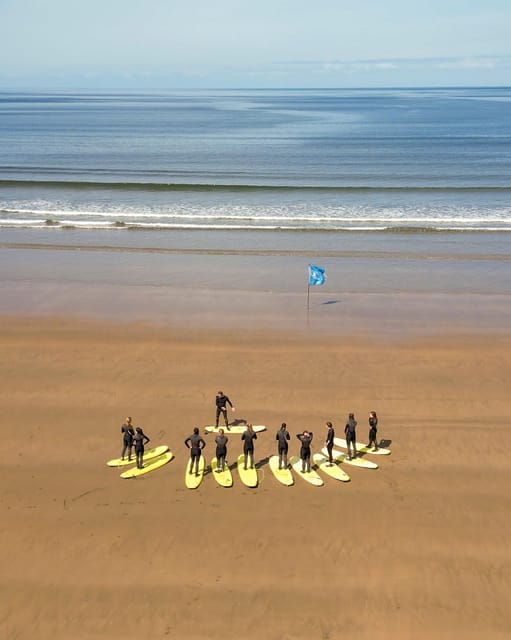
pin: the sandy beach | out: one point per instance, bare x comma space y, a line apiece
415, 549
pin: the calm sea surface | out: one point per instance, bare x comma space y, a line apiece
323, 160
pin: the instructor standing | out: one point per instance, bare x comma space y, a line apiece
221, 408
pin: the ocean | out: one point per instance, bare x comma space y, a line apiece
333, 160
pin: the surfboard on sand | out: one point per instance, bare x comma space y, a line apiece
333, 470
234, 428
148, 455
340, 442
312, 476
148, 466
193, 480
224, 478
283, 475
248, 476
341, 456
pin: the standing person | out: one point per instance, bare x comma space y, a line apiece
196, 444
221, 450
329, 442
373, 430
248, 437
222, 401
351, 436
305, 450
282, 438
140, 439
128, 433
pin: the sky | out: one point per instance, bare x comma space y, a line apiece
180, 44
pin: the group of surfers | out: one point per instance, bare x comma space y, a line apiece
137, 439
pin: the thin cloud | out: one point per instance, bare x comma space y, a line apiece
396, 64
470, 63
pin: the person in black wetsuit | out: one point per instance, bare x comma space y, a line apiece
128, 433
196, 444
140, 440
373, 430
351, 436
329, 442
305, 450
282, 438
248, 438
222, 401
221, 450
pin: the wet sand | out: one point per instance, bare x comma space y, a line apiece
415, 549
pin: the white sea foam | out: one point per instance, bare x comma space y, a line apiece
309, 215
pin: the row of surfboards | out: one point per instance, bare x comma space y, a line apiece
159, 456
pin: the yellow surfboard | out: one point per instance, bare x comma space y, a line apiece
310, 476
341, 456
248, 476
193, 480
148, 466
224, 478
234, 428
148, 455
333, 470
283, 475
340, 442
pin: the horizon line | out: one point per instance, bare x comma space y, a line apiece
252, 88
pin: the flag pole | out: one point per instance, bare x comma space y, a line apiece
316, 277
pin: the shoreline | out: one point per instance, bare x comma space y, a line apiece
303, 253
390, 286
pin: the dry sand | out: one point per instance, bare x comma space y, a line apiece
416, 549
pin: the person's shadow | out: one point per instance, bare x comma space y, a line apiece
237, 422
262, 462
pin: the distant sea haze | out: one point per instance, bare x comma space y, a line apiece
420, 160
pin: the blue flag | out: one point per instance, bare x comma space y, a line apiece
317, 275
